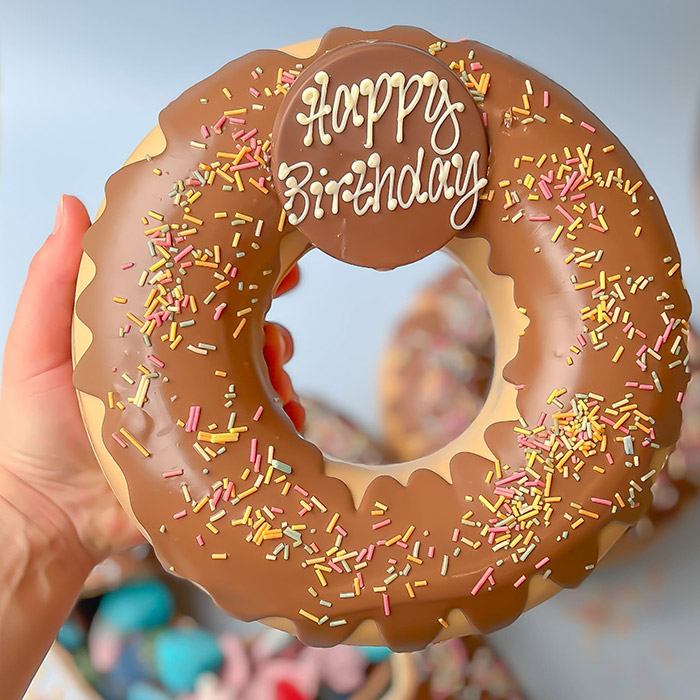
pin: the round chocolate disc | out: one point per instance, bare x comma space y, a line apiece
379, 154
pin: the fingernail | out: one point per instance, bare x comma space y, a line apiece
59, 216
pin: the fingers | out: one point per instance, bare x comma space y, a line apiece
289, 282
297, 413
279, 346
39, 338
278, 350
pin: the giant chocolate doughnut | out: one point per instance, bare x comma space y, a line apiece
567, 242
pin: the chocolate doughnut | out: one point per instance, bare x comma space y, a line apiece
463, 148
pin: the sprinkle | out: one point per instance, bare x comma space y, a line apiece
482, 580
387, 606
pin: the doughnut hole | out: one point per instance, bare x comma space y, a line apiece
406, 356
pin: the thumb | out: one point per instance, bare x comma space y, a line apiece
40, 336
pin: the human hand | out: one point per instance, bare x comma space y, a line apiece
47, 467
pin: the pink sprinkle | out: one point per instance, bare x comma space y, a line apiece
402, 544
217, 495
485, 119
156, 361
383, 523
506, 493
258, 462
541, 563
431, 552
179, 515
254, 92
520, 582
577, 196
182, 253
540, 218
335, 567
258, 413
361, 555
276, 510
249, 134
244, 166
545, 189
360, 579
118, 440
601, 501
370, 552
546, 98
609, 457
172, 473
254, 75
237, 120
227, 493
193, 419
219, 124
590, 128
253, 449
571, 183
475, 66
126, 266
542, 419
508, 479
339, 529
564, 213
519, 387
646, 387
632, 385
233, 273
595, 227
387, 607
302, 491
455, 534
679, 397
238, 134
482, 580
594, 211
205, 131
200, 541
219, 310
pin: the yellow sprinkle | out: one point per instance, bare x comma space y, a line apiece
308, 615
226, 92
565, 118
219, 556
333, 522
134, 442
618, 353
201, 504
119, 300
239, 327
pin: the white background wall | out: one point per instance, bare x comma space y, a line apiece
82, 82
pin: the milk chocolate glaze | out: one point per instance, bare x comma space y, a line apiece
607, 279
